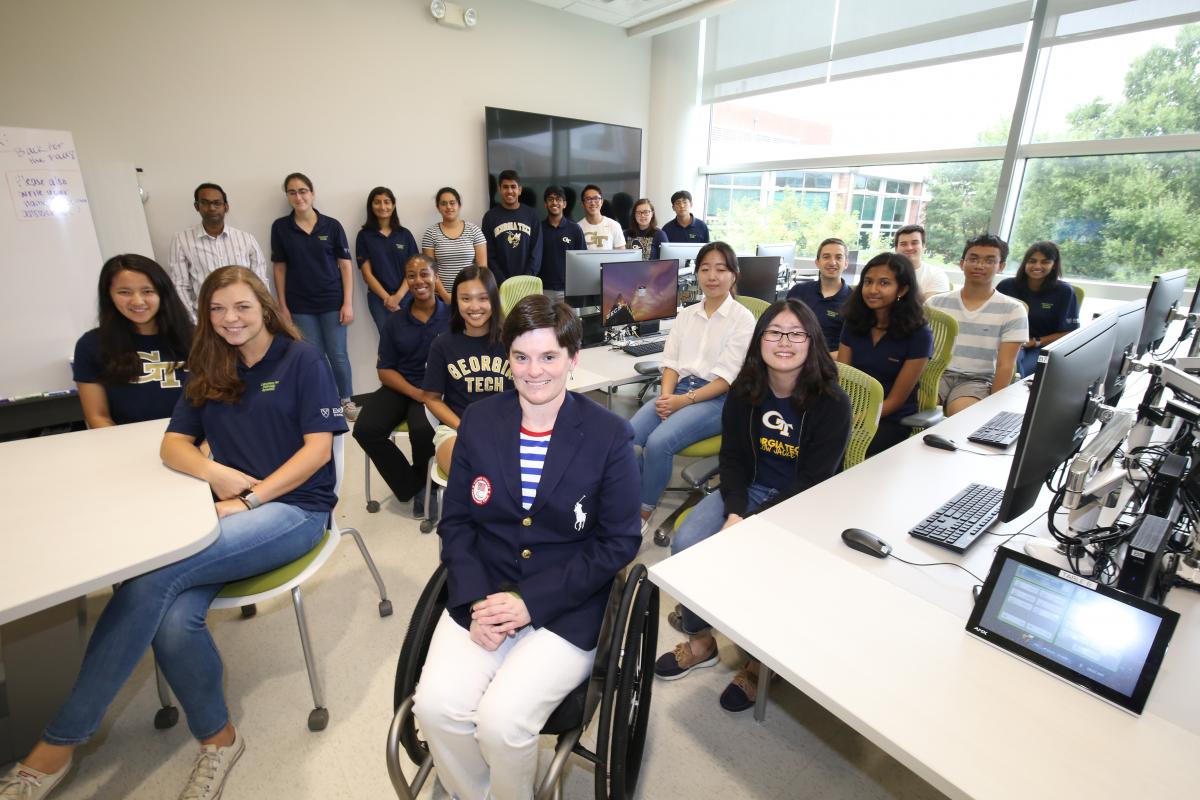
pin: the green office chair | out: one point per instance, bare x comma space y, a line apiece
516, 287
756, 306
928, 413
284, 579
866, 403
1078, 294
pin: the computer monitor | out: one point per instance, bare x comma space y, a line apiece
758, 276
1164, 295
1188, 326
785, 251
1129, 328
1069, 371
638, 291
583, 272
681, 251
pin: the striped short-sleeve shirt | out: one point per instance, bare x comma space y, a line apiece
452, 254
982, 331
533, 457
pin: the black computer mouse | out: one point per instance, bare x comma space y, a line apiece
866, 542
940, 442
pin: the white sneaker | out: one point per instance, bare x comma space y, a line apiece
350, 410
26, 783
212, 767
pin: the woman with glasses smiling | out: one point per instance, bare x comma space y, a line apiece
784, 428
644, 232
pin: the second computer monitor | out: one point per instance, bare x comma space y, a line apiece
1129, 327
1068, 371
785, 251
583, 271
638, 291
1164, 295
758, 276
683, 252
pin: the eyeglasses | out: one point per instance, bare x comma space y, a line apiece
795, 337
593, 199
211, 203
973, 260
299, 192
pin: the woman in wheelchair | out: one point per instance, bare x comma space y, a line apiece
268, 406
784, 428
541, 513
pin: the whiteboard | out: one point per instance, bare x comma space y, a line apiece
49, 261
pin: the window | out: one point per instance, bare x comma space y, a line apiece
1116, 218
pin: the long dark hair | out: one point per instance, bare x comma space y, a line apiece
474, 272
212, 365
118, 353
818, 375
1050, 251
372, 223
906, 317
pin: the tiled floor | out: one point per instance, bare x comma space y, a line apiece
694, 750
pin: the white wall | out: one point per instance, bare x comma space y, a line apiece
678, 140
354, 93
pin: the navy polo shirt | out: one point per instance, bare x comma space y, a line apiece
827, 309
884, 359
555, 244
696, 232
387, 255
314, 282
405, 340
1053, 310
289, 393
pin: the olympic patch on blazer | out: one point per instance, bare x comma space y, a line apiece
481, 490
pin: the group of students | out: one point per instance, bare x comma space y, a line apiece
312, 265
549, 493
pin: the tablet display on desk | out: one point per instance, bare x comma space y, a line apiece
1104, 641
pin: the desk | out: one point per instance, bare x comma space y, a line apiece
882, 644
602, 367
86, 510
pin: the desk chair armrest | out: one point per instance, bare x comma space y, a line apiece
699, 472
648, 367
923, 419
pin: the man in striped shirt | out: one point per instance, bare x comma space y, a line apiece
991, 328
209, 246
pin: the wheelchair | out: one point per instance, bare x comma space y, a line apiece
620, 686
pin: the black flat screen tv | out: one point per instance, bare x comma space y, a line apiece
571, 153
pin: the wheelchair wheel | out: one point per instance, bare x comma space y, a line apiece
625, 707
412, 656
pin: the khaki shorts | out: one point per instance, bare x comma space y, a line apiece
443, 433
954, 385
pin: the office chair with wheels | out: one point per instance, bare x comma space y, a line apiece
928, 413
287, 578
620, 687
516, 287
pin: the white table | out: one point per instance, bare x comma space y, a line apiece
882, 644
90, 509
602, 367
86, 510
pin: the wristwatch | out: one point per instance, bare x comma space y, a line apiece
250, 499
691, 395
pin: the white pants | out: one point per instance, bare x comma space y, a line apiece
482, 712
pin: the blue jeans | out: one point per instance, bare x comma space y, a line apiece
1027, 360
167, 608
661, 439
328, 334
705, 520
379, 312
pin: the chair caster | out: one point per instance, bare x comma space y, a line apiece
427, 525
372, 506
249, 611
166, 717
318, 718
662, 538
385, 608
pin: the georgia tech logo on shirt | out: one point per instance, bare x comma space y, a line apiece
566, 240
400, 246
463, 369
773, 421
514, 240
268, 386
155, 370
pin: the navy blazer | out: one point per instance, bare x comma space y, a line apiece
584, 525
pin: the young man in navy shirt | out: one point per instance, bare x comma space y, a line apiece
559, 234
829, 294
513, 233
685, 227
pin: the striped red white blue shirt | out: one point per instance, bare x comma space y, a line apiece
533, 457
